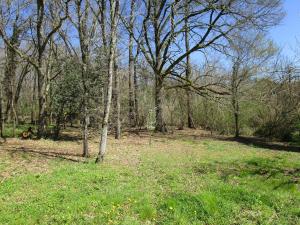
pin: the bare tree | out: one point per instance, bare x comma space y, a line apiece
114, 15
248, 53
53, 13
85, 27
12, 18
162, 28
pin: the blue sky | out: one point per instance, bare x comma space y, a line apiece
286, 34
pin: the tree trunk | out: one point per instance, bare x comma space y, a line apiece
19, 88
59, 116
32, 115
236, 121
1, 114
136, 90
131, 68
42, 104
188, 71
114, 12
159, 123
10, 72
86, 121
117, 103
234, 97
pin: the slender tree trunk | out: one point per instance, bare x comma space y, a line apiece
19, 87
117, 102
136, 93
59, 117
236, 121
85, 125
160, 124
114, 12
82, 28
234, 97
33, 119
131, 68
188, 71
42, 104
1, 114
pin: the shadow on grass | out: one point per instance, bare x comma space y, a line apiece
67, 137
251, 141
265, 169
48, 154
262, 143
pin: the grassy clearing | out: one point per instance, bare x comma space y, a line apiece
167, 180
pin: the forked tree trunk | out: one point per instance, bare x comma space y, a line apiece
114, 13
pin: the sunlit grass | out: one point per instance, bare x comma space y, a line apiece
165, 182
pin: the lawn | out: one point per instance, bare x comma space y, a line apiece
161, 179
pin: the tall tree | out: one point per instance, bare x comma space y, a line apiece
114, 16
86, 31
188, 68
248, 52
162, 28
131, 67
46, 19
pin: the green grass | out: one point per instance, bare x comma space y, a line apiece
175, 182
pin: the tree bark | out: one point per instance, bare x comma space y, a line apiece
19, 87
42, 104
10, 71
236, 121
82, 17
136, 93
1, 113
86, 121
117, 102
234, 97
59, 117
160, 124
114, 12
33, 104
188, 71
131, 68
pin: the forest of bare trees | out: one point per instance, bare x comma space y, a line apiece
111, 65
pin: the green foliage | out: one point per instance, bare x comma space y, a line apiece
67, 91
